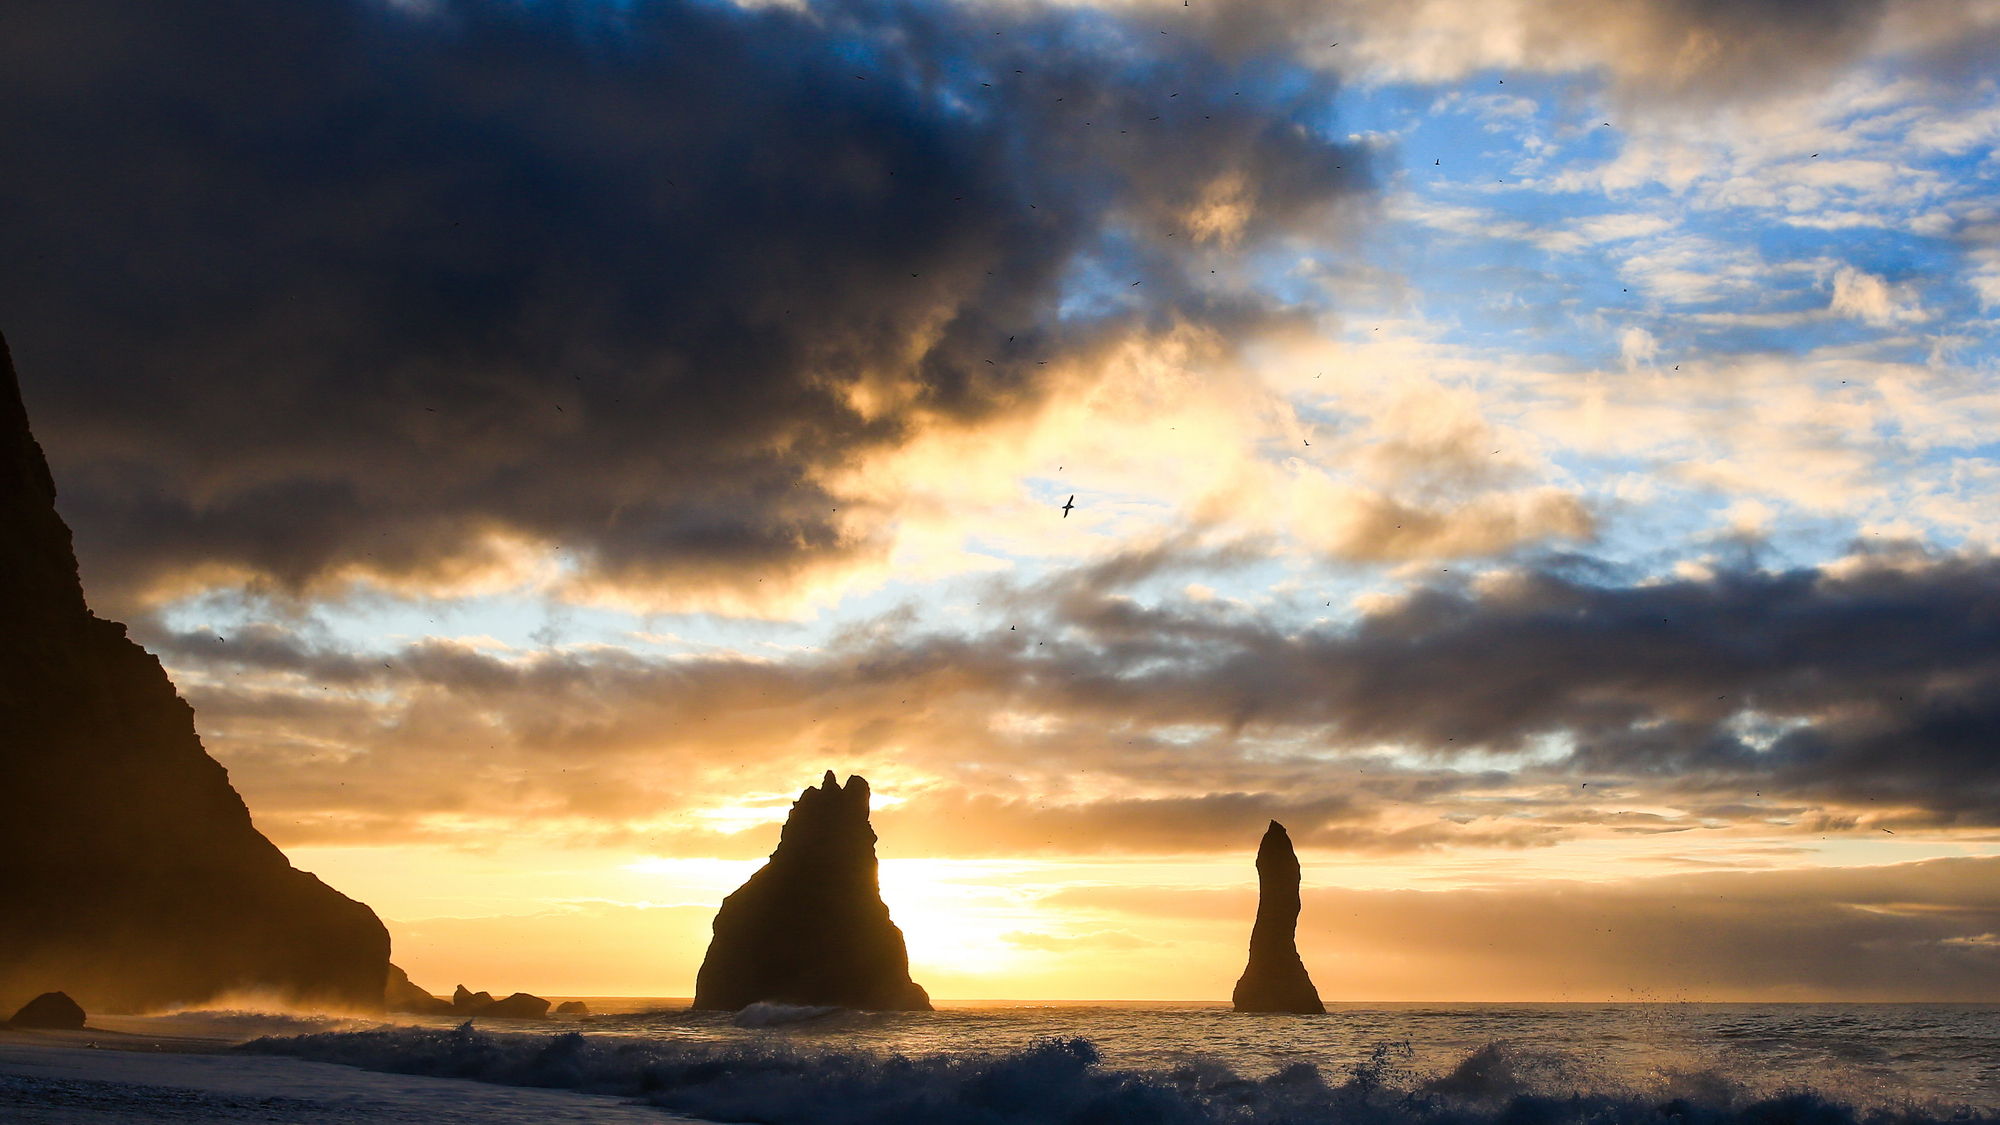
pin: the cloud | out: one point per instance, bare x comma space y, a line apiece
955, 823
1638, 347
1695, 50
1116, 941
1361, 524
1868, 298
1883, 664
1858, 697
610, 301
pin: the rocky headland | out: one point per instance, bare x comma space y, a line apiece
1275, 979
810, 927
132, 875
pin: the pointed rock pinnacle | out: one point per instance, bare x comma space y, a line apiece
1276, 980
810, 926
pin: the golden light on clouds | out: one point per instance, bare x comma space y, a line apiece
1539, 452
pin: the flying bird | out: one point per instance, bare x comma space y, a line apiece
1068, 504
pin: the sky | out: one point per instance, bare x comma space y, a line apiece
1539, 451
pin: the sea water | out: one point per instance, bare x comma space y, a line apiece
1361, 1064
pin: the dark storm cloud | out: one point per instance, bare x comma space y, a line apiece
308, 290
1876, 682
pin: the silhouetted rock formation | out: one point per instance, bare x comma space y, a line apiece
50, 1010
519, 1006
403, 995
572, 1008
465, 1000
1276, 980
133, 877
810, 926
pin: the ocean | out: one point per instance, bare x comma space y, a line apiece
1201, 1064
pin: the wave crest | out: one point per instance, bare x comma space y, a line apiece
1060, 1082
767, 1014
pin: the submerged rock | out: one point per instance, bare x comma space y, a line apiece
403, 995
1276, 980
810, 927
133, 875
53, 1010
572, 1008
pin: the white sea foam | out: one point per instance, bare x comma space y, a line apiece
782, 1079
766, 1014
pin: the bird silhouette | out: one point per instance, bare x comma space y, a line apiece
1067, 505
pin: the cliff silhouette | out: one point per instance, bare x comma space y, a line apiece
130, 874
1275, 980
810, 927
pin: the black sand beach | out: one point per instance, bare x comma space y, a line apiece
103, 1077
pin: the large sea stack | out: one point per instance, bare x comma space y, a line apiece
1276, 980
130, 874
810, 927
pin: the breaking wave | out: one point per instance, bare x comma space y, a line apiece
1063, 1082
767, 1014
239, 1023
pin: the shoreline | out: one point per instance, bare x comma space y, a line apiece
103, 1038
82, 1078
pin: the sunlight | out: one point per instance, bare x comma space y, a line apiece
953, 913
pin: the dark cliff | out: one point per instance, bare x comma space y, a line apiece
130, 874
1276, 980
810, 926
